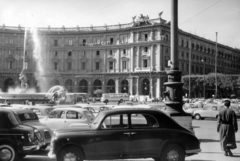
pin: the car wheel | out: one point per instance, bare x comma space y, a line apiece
70, 153
172, 152
197, 117
8, 153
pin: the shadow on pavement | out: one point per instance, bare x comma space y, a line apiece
199, 160
211, 140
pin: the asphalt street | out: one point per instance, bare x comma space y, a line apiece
205, 130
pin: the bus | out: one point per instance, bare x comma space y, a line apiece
115, 97
73, 98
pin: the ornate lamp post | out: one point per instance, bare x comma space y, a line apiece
173, 93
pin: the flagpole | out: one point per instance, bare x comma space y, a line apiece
216, 67
189, 68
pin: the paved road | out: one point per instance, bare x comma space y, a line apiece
205, 130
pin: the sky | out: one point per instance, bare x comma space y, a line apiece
200, 17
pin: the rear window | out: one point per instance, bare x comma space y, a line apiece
143, 121
28, 116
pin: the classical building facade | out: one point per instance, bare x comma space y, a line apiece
125, 58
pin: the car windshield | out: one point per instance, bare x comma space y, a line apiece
88, 113
14, 119
28, 116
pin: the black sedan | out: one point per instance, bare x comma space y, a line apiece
126, 134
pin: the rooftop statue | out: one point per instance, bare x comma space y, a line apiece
141, 20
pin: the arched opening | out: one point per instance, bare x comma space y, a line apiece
55, 82
97, 84
69, 85
145, 87
124, 86
9, 83
111, 86
83, 86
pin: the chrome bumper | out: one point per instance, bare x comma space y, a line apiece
31, 148
51, 155
194, 151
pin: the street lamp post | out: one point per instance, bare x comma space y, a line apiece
203, 78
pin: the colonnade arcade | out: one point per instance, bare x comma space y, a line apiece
134, 85
131, 85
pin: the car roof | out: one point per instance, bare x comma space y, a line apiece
131, 110
4, 110
21, 110
70, 108
64, 106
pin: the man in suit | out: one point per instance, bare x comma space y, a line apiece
227, 126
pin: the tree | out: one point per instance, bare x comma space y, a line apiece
226, 84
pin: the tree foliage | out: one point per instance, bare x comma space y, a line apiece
224, 82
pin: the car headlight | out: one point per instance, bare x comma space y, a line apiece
31, 136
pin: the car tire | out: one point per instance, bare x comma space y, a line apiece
172, 152
70, 152
197, 117
9, 150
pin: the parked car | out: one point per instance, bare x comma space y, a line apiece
190, 108
41, 111
208, 111
68, 117
123, 134
67, 105
100, 107
236, 108
16, 139
30, 118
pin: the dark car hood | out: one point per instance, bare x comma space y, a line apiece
25, 128
36, 124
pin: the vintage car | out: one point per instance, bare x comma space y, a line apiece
126, 133
158, 106
190, 108
68, 117
16, 139
208, 111
41, 111
30, 118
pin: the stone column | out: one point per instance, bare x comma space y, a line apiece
131, 59
138, 57
104, 85
105, 61
119, 61
137, 86
131, 86
117, 85
90, 87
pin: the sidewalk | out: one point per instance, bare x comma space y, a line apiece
211, 151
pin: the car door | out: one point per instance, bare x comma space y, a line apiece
74, 117
113, 137
214, 111
206, 112
145, 135
55, 120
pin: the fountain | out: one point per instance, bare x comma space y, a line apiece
31, 37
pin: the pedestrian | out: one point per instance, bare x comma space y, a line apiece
227, 126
